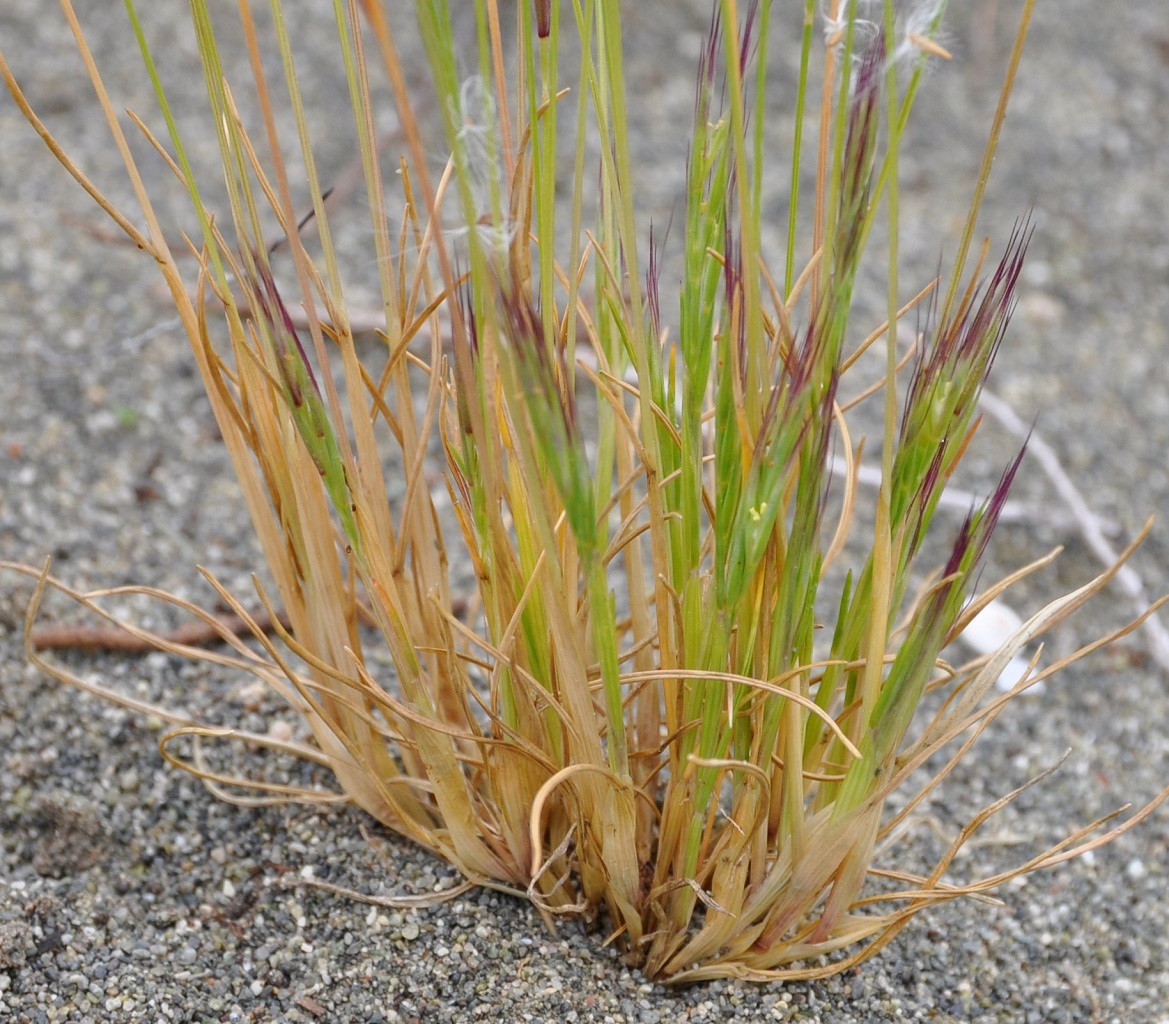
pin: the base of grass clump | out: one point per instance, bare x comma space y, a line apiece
687, 682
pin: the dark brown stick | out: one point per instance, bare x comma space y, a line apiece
110, 638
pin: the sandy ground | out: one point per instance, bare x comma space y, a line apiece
127, 892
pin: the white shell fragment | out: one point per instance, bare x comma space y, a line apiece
988, 631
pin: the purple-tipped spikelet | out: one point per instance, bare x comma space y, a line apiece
970, 545
859, 154
468, 336
295, 371
551, 406
749, 40
543, 364
984, 330
922, 504
943, 391
707, 67
310, 414
931, 627
993, 508
963, 351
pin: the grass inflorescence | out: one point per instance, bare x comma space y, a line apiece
685, 684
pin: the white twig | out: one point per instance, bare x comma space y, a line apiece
963, 501
1089, 526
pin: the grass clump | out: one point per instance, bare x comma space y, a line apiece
685, 685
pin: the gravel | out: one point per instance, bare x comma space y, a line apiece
129, 893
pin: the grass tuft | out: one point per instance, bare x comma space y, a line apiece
687, 681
